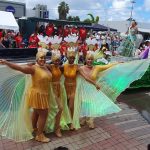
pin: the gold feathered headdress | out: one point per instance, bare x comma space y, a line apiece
40, 53
71, 52
55, 55
90, 54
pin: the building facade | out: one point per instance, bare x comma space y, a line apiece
18, 9
39, 11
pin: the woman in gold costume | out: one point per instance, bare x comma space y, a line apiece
70, 72
62, 117
38, 92
113, 78
90, 73
56, 75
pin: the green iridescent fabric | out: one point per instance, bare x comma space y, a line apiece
143, 82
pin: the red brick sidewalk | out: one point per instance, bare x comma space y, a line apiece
105, 136
123, 131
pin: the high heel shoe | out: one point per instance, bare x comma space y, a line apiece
91, 125
72, 127
41, 138
58, 133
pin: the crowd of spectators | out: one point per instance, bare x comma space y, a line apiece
103, 41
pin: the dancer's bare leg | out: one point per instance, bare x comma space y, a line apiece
43, 113
35, 116
71, 107
58, 117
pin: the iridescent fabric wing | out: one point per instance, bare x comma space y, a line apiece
115, 80
13, 107
77, 104
90, 102
65, 117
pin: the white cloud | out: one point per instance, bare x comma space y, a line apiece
21, 1
120, 4
139, 8
147, 5
105, 9
118, 15
120, 10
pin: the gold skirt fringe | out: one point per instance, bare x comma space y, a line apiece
38, 100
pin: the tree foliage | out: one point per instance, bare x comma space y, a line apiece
92, 19
63, 10
73, 18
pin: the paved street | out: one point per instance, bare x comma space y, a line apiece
127, 130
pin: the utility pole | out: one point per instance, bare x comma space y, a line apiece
106, 15
132, 2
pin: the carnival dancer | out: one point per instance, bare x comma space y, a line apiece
131, 42
113, 79
62, 117
70, 72
15, 124
90, 73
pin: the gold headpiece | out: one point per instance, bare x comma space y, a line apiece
90, 54
40, 54
71, 52
55, 55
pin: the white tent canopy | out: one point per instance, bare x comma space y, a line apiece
7, 21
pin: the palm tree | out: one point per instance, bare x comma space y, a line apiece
63, 10
77, 18
92, 20
96, 19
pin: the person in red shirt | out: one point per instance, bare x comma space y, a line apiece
19, 40
66, 31
33, 41
1, 33
63, 48
82, 48
49, 29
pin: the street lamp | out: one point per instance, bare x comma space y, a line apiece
132, 2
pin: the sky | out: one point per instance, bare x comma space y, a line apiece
115, 10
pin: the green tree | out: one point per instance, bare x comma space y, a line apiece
63, 10
73, 18
70, 18
92, 19
87, 20
97, 19
76, 18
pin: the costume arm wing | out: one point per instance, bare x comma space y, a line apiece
13, 119
118, 78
